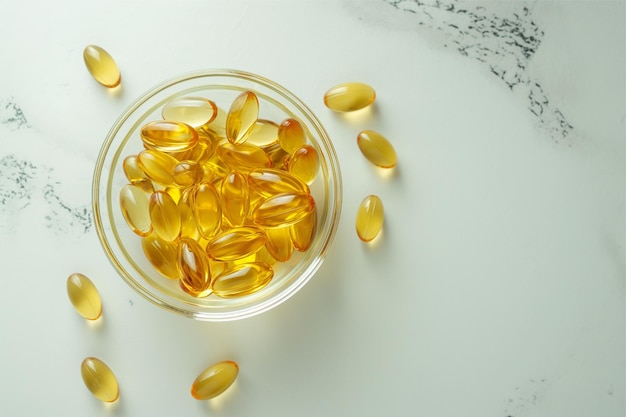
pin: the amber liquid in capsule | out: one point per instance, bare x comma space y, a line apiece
349, 96
377, 149
269, 181
194, 111
135, 205
242, 279
206, 208
283, 209
131, 170
304, 163
214, 380
164, 216
278, 243
157, 165
243, 157
84, 296
99, 379
193, 265
242, 117
168, 136
235, 243
303, 232
235, 198
369, 218
291, 135
162, 255
188, 173
102, 66
264, 133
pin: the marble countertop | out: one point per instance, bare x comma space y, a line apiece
497, 289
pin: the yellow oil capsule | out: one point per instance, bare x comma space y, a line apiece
241, 117
218, 125
369, 218
235, 198
168, 136
203, 150
157, 165
135, 205
264, 133
162, 255
269, 181
304, 163
173, 191
235, 243
377, 149
243, 157
242, 279
84, 296
164, 216
188, 173
102, 66
278, 243
99, 379
131, 170
214, 380
263, 255
303, 232
188, 226
291, 135
349, 96
193, 265
193, 111
283, 209
276, 154
206, 208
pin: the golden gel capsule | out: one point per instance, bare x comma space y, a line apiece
242, 279
241, 117
291, 135
264, 133
164, 216
283, 209
188, 173
214, 380
235, 198
188, 226
168, 136
84, 296
278, 243
303, 232
162, 255
377, 149
202, 151
157, 165
131, 170
193, 265
350, 96
243, 157
269, 181
99, 379
206, 208
194, 111
369, 218
102, 66
304, 163
235, 243
135, 205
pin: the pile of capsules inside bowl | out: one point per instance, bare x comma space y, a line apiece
218, 198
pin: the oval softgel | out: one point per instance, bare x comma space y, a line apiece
350, 96
99, 379
214, 380
84, 296
102, 66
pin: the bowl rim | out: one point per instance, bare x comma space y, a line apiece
284, 293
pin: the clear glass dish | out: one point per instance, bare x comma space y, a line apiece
123, 247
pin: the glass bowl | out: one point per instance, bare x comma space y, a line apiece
123, 247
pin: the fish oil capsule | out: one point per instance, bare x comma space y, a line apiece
218, 125
263, 255
193, 111
193, 265
242, 279
214, 380
162, 255
102, 66
241, 117
84, 296
135, 205
99, 379
349, 96
377, 149
278, 243
235, 198
202, 151
131, 170
168, 136
206, 208
269, 181
243, 157
283, 209
303, 232
369, 218
157, 165
291, 135
235, 243
164, 216
264, 133
188, 226
276, 154
304, 163
187, 173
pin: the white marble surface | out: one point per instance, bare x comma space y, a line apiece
498, 286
